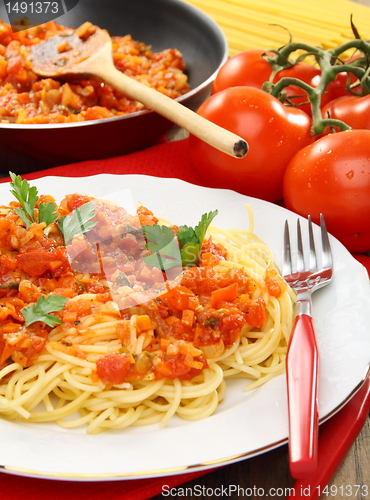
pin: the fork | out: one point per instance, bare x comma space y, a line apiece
302, 361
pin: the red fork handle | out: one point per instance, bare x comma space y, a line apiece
337, 435
302, 375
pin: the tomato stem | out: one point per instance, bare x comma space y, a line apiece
329, 67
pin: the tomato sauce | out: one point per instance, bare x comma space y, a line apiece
185, 322
26, 98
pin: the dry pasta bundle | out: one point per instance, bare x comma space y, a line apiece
264, 24
102, 327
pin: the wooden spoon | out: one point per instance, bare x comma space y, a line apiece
72, 54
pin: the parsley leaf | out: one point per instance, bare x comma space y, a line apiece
40, 311
190, 254
77, 222
191, 240
157, 236
165, 251
164, 248
187, 234
27, 197
47, 213
204, 224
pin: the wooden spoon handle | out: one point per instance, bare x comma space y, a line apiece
202, 128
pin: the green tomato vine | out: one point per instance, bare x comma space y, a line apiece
330, 64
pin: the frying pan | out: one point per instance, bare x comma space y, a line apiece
159, 23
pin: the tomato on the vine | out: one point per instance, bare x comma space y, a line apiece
352, 110
273, 131
308, 74
339, 86
248, 68
332, 177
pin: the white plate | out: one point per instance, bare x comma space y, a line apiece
245, 424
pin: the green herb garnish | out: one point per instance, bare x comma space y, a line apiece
212, 321
27, 196
165, 251
191, 240
47, 213
40, 311
77, 222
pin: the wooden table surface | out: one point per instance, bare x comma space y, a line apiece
269, 470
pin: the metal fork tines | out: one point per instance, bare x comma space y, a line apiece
304, 275
307, 278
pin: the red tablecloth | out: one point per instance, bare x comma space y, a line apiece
169, 159
24, 488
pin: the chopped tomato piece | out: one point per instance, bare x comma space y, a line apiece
112, 368
21, 349
146, 217
164, 343
143, 322
226, 294
75, 309
275, 283
179, 368
10, 307
255, 312
208, 259
172, 369
273, 287
216, 249
8, 262
94, 287
187, 317
35, 263
180, 298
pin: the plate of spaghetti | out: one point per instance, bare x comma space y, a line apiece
140, 313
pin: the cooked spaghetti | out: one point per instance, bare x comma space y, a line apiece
130, 344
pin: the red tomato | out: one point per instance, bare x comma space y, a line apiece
113, 368
248, 68
308, 74
273, 131
332, 176
350, 109
340, 84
